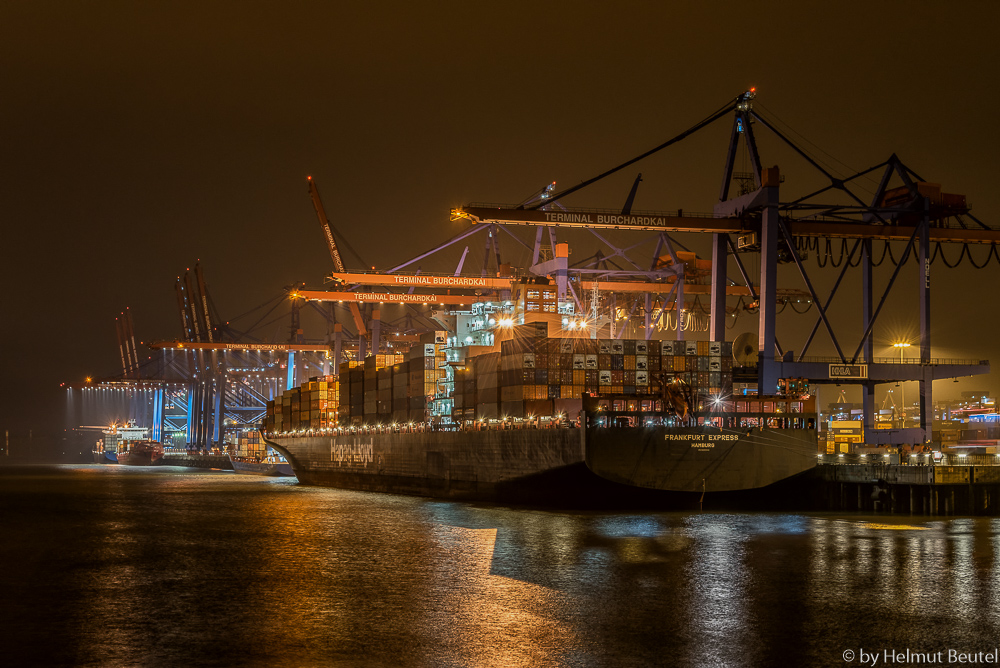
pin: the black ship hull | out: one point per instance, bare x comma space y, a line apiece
141, 453
501, 465
700, 459
556, 467
196, 460
136, 458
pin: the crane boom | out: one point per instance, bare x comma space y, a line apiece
130, 342
324, 222
185, 327
203, 298
483, 284
121, 346
669, 222
338, 263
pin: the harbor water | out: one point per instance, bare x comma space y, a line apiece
120, 566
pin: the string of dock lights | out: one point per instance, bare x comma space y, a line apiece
331, 430
380, 428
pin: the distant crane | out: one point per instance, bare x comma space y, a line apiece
126, 344
192, 302
203, 298
338, 263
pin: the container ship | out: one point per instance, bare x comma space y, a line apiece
117, 437
517, 414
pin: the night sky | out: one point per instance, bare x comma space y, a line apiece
139, 138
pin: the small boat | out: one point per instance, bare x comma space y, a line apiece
271, 464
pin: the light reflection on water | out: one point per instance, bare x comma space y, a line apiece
718, 578
171, 567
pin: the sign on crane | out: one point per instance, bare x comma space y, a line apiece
338, 263
256, 347
424, 281
389, 298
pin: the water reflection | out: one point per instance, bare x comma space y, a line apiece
718, 578
173, 568
485, 619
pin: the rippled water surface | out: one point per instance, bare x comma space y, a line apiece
110, 566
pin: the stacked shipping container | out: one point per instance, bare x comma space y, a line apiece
531, 375
313, 405
477, 392
248, 443
537, 372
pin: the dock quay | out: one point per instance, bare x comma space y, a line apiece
950, 486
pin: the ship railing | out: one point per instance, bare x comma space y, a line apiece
731, 421
934, 361
909, 459
972, 459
